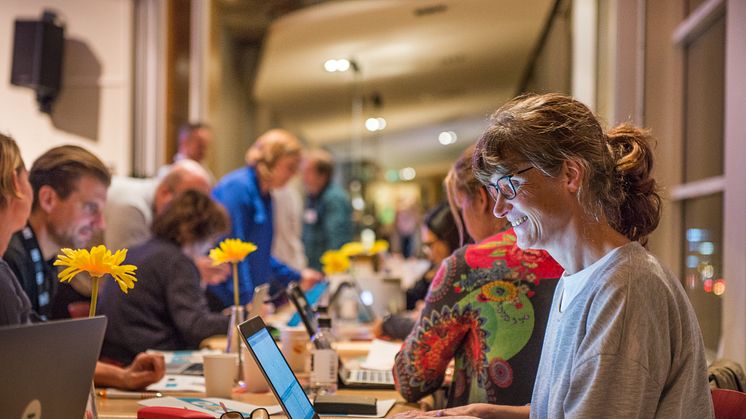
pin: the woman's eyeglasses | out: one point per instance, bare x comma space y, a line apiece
258, 413
505, 186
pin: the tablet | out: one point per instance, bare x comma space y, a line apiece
276, 370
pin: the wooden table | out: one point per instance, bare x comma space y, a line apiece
127, 408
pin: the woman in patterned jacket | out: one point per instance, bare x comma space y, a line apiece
486, 308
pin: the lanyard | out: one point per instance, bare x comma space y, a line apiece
42, 279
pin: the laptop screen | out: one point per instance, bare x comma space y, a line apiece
281, 378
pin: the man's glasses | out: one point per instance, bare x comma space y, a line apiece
505, 186
258, 413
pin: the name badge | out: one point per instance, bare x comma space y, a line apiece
310, 216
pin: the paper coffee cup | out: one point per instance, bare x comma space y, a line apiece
220, 374
294, 342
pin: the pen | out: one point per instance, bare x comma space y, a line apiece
112, 393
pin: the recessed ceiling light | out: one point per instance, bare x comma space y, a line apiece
375, 124
340, 65
407, 173
447, 137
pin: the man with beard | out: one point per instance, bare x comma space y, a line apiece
69, 185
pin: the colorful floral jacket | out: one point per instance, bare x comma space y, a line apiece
487, 308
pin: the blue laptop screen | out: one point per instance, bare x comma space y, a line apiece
281, 378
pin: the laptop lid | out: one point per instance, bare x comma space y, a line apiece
276, 370
304, 308
48, 367
261, 295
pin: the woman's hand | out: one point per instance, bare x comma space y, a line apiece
475, 410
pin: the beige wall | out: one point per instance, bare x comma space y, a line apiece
94, 109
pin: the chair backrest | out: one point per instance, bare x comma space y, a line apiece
729, 404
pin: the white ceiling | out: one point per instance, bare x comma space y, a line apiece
435, 65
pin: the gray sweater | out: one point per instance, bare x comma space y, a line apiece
627, 346
15, 307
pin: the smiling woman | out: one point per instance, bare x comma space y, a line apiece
591, 202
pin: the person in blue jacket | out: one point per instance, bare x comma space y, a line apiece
271, 162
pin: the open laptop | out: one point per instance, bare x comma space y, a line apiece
47, 368
276, 370
351, 378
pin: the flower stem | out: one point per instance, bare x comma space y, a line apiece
94, 296
235, 284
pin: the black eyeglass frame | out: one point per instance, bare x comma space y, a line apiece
258, 413
509, 178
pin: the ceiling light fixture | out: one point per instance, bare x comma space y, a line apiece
407, 173
375, 124
447, 137
333, 66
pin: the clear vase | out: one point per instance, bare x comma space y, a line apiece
238, 315
90, 407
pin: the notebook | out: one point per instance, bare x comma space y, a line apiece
48, 367
276, 370
352, 378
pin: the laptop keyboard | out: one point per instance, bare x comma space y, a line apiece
371, 376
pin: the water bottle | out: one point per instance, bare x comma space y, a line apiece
324, 359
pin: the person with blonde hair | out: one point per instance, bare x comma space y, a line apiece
486, 308
271, 162
622, 338
16, 198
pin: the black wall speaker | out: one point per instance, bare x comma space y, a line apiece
37, 57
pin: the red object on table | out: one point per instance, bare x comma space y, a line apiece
162, 412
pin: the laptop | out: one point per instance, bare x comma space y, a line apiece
350, 378
48, 367
276, 370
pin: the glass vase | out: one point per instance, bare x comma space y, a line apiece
90, 407
238, 316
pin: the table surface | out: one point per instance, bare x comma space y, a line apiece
127, 408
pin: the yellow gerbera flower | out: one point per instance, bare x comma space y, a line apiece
352, 249
335, 261
379, 246
98, 262
231, 250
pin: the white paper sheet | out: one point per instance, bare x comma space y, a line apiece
381, 355
182, 383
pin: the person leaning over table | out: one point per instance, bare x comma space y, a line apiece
487, 308
271, 162
622, 338
132, 204
16, 197
166, 309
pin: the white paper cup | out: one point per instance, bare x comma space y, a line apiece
294, 342
220, 374
253, 378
